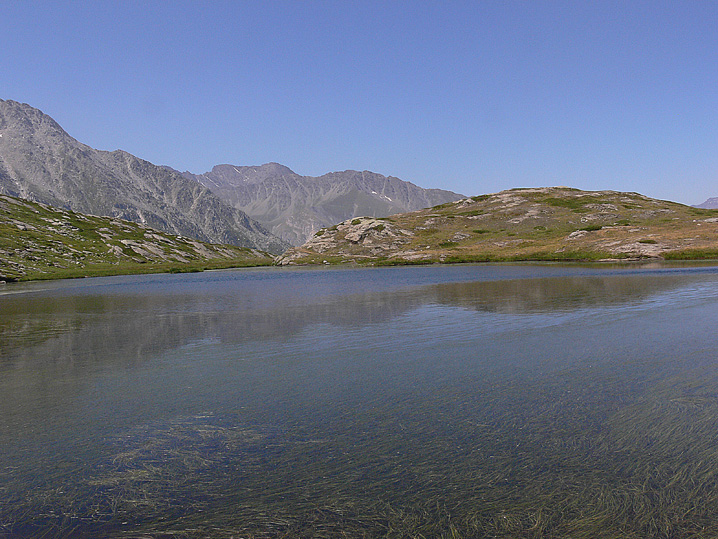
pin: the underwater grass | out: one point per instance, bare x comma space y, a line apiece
580, 454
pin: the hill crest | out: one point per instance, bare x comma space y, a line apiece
551, 223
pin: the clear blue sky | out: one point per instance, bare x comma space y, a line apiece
473, 96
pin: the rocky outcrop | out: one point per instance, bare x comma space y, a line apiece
294, 207
363, 237
39, 161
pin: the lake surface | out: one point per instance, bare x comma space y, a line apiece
460, 401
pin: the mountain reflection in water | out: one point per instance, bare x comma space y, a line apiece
135, 326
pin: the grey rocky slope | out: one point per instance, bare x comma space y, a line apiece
39, 161
293, 207
710, 204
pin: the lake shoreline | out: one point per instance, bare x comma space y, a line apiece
160, 269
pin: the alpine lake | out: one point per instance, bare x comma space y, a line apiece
478, 401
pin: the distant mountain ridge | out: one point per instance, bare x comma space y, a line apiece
710, 204
39, 161
293, 207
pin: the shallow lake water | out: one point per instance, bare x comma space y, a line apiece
459, 401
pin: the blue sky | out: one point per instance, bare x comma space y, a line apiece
471, 96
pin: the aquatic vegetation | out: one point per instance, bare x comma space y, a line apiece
571, 456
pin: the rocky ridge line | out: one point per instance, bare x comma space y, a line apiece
294, 207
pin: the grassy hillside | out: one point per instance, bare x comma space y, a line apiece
552, 223
40, 242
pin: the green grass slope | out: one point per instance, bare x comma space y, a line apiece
551, 223
40, 242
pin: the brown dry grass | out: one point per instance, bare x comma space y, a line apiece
554, 223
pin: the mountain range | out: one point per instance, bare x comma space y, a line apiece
267, 207
39, 161
293, 207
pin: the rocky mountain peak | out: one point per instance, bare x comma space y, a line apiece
39, 161
293, 207
22, 120
234, 175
